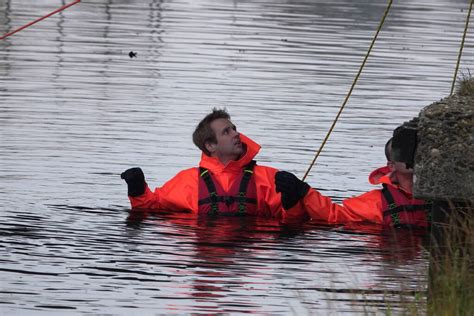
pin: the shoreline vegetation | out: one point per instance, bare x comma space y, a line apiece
451, 284
465, 85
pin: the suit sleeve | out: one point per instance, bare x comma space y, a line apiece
269, 201
365, 207
178, 194
315, 206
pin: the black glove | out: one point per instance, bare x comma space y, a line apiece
292, 189
135, 180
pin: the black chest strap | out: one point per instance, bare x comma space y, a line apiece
394, 210
241, 198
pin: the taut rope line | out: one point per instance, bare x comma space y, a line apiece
40, 19
350, 90
461, 48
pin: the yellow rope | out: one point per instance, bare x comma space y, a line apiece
352, 88
460, 49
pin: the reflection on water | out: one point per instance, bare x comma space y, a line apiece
94, 260
76, 110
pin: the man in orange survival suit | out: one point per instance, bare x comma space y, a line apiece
393, 205
227, 181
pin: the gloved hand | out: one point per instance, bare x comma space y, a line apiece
292, 189
135, 180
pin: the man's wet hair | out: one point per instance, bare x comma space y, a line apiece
388, 149
204, 133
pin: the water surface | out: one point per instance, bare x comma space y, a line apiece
76, 111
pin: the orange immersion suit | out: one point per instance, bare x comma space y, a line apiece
182, 192
371, 206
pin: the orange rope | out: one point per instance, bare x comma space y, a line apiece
40, 19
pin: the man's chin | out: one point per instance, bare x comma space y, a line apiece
239, 154
240, 150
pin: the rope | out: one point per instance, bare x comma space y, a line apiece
40, 19
461, 48
352, 88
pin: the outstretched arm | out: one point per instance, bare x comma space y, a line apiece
178, 194
363, 208
294, 192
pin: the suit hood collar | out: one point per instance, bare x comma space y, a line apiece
380, 176
383, 175
251, 149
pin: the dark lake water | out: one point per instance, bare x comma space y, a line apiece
76, 110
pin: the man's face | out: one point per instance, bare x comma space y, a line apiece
400, 167
397, 166
228, 146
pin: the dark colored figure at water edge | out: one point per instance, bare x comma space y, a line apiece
229, 182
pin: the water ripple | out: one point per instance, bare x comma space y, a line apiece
76, 111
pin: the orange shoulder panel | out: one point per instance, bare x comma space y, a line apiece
178, 194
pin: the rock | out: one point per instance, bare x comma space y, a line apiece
444, 156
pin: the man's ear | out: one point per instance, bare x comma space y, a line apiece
211, 147
391, 165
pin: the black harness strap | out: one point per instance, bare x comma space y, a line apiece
214, 199
407, 208
227, 199
248, 172
391, 205
393, 209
